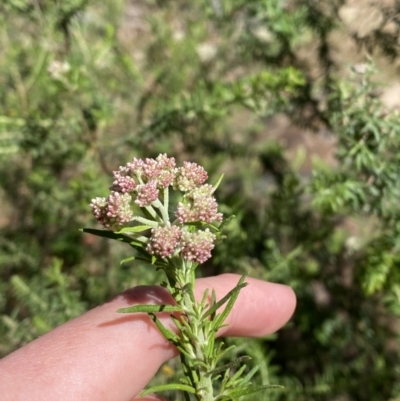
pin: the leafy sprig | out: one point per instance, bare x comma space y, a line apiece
137, 212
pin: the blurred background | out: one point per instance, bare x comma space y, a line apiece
296, 101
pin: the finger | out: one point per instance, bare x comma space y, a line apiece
103, 355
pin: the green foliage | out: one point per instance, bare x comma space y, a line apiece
86, 86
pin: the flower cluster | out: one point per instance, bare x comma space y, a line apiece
145, 183
190, 176
145, 177
164, 240
113, 211
199, 205
194, 246
197, 246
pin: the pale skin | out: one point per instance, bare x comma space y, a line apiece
104, 355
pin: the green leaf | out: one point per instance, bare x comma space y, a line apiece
183, 352
135, 229
226, 221
205, 298
235, 380
112, 235
105, 234
247, 378
240, 392
168, 387
126, 260
135, 244
218, 182
232, 293
188, 289
229, 365
213, 301
150, 309
168, 334
232, 296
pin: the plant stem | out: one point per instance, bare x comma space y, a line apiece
196, 336
143, 220
164, 210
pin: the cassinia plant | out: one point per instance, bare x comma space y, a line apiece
137, 212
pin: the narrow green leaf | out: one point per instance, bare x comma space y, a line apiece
135, 244
216, 378
178, 323
126, 260
215, 228
240, 392
218, 182
168, 334
150, 309
205, 298
115, 236
218, 304
213, 301
235, 380
183, 352
168, 387
247, 378
107, 234
135, 229
222, 352
146, 260
220, 319
231, 294
202, 364
231, 364
226, 221
188, 288
189, 372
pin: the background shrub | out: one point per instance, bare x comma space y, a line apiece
295, 101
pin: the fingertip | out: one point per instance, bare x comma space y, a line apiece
281, 301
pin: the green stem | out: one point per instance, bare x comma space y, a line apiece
143, 220
198, 330
166, 199
152, 212
164, 211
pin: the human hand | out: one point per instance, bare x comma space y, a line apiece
104, 355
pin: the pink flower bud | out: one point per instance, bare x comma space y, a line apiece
151, 169
136, 166
164, 240
123, 182
165, 162
167, 171
113, 211
200, 206
99, 208
146, 193
197, 246
190, 176
162, 170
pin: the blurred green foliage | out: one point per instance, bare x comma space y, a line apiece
88, 85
